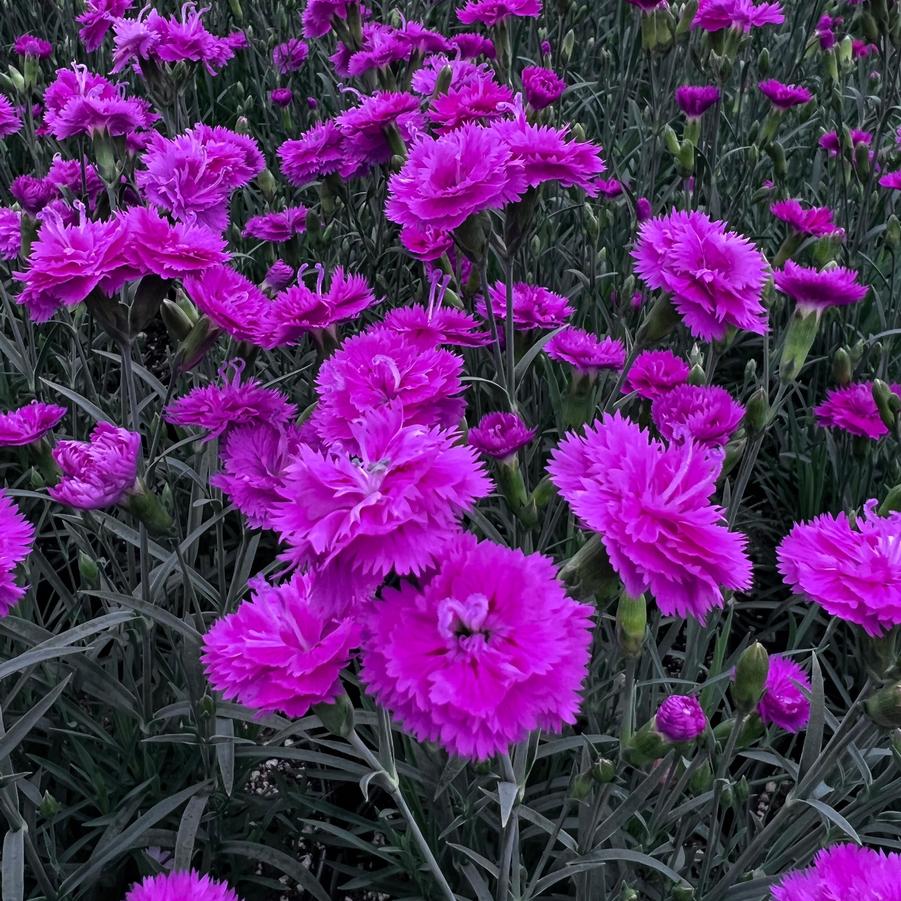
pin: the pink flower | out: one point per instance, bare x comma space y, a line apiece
843, 872
480, 100
654, 372
365, 128
10, 120
815, 220
10, 233
534, 307
178, 886
852, 569
426, 328
825, 33
500, 435
695, 100
16, 539
231, 301
281, 97
650, 504
490, 12
643, 209
784, 96
891, 180
33, 194
97, 18
278, 276
29, 45
541, 86
832, 143
28, 424
100, 472
862, 49
319, 151
680, 718
470, 44
463, 73
609, 187
742, 15
485, 652
647, 6
715, 276
390, 501
278, 652
277, 227
318, 14
705, 414
584, 352
784, 702
853, 409
819, 289
289, 56
383, 45
426, 242
76, 177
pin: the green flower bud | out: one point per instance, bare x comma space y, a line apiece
543, 493
237, 12
665, 24
893, 232
750, 677
892, 502
588, 572
757, 411
49, 806
842, 368
776, 152
671, 140
661, 320
510, 480
195, 346
763, 61
645, 745
683, 893
802, 330
337, 717
683, 28
697, 376
566, 46
177, 322
603, 770
701, 780
686, 159
146, 507
443, 82
648, 34
887, 402
862, 161
884, 707
631, 623
267, 183
88, 571
581, 786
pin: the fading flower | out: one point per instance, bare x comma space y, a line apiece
281, 97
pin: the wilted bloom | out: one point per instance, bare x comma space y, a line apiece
541, 86
705, 414
10, 233
846, 872
851, 568
290, 56
10, 120
490, 12
318, 151
178, 885
818, 289
680, 718
784, 702
29, 423
585, 352
278, 276
695, 100
365, 128
654, 372
278, 652
742, 15
16, 539
534, 307
32, 194
862, 49
784, 96
485, 652
277, 227
230, 300
814, 220
715, 276
891, 180
480, 100
29, 45
99, 472
650, 504
281, 96
98, 18
853, 409
500, 435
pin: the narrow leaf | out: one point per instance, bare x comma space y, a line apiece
280, 861
12, 867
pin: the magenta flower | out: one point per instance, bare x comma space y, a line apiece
278, 652
705, 414
643, 209
715, 276
446, 180
470, 45
32, 194
485, 652
480, 100
680, 718
231, 301
843, 871
100, 472
390, 501
852, 569
462, 72
29, 45
610, 188
75, 177
98, 18
853, 409
534, 307
695, 100
500, 435
277, 227
10, 120
862, 49
317, 152
278, 276
289, 56
445, 325
742, 15
383, 45
832, 143
784, 96
364, 128
815, 290
650, 504
176, 886
541, 86
825, 31
491, 12
28, 424
891, 180
584, 352
318, 14
16, 539
784, 702
815, 220
10, 233
281, 97
654, 372
647, 6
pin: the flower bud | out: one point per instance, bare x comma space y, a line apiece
665, 25
603, 770
701, 780
146, 507
750, 677
88, 571
893, 232
648, 33
686, 17
337, 717
884, 707
757, 411
697, 376
49, 806
892, 502
842, 368
661, 320
581, 786
267, 183
802, 330
887, 402
686, 159
763, 62
443, 82
631, 623
237, 12
645, 745
862, 160
176, 320
195, 346
671, 140
683, 893
566, 47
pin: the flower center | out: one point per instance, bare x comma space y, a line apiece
462, 621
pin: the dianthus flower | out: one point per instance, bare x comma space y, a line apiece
75, 177
609, 187
230, 300
481, 100
277, 227
97, 19
318, 14
100, 472
80, 102
500, 435
491, 12
862, 49
427, 328
377, 368
388, 499
825, 31
32, 193
28, 424
179, 886
281, 97
278, 653
365, 128
462, 72
10, 120
742, 15
853, 409
446, 180
278, 276
541, 86
585, 352
851, 568
695, 100
814, 290
29, 45
705, 414
832, 143
383, 45
650, 504
534, 307
317, 152
16, 539
10, 233
891, 180
784, 702
784, 96
487, 651
289, 56
843, 872
470, 44
680, 718
814, 220
647, 6
654, 372
715, 276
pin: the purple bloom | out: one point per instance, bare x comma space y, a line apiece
584, 352
10, 120
75, 177
654, 372
97, 19
490, 12
278, 276
643, 209
705, 414
470, 45
318, 14
500, 435
695, 100
428, 328
177, 886
10, 233
853, 409
33, 194
609, 187
29, 45
832, 143
277, 227
479, 100
784, 96
742, 15
541, 86
462, 72
281, 97
317, 152
100, 472
891, 180
815, 220
16, 539
819, 289
231, 301
784, 702
289, 56
29, 423
843, 872
680, 718
365, 128
534, 307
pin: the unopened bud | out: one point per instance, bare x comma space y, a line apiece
842, 369
268, 185
884, 707
603, 770
802, 330
88, 571
337, 717
582, 786
49, 806
146, 507
631, 623
757, 411
893, 232
697, 376
566, 47
671, 140
443, 82
892, 502
763, 61
750, 677
887, 403
661, 320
